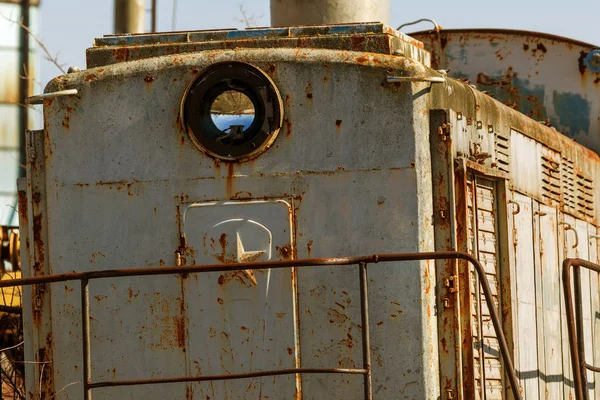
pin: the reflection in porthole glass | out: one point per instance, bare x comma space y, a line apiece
232, 112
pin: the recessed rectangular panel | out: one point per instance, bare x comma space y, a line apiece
241, 321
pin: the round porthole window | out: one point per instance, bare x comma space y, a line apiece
233, 111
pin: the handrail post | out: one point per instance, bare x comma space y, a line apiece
579, 326
567, 263
366, 338
487, 293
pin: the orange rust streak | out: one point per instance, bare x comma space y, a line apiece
229, 183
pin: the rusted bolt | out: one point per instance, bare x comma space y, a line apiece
446, 302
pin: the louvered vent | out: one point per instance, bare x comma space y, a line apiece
585, 196
502, 153
568, 186
550, 181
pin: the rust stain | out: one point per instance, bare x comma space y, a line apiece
149, 79
542, 48
245, 277
229, 178
285, 251
309, 93
99, 297
189, 392
173, 327
337, 318
121, 54
23, 204
66, 122
133, 295
357, 42
380, 323
90, 78
309, 247
38, 242
290, 350
220, 300
45, 369
288, 127
581, 63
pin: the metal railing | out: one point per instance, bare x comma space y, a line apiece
575, 323
362, 262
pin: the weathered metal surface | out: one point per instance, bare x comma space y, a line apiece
309, 177
373, 37
504, 141
335, 181
545, 77
316, 12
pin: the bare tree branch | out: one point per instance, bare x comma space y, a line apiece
249, 20
48, 55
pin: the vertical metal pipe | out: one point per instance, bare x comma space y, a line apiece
23, 84
87, 350
366, 338
580, 334
129, 16
154, 15
319, 12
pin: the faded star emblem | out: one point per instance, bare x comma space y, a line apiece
244, 256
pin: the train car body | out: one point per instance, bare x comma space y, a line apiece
355, 147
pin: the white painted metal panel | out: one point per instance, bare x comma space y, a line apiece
524, 156
352, 195
527, 365
552, 293
582, 251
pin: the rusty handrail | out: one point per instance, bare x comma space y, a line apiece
575, 323
361, 261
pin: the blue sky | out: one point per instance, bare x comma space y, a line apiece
68, 27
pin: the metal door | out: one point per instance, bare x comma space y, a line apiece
241, 321
482, 232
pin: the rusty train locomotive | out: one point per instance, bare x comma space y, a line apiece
276, 146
